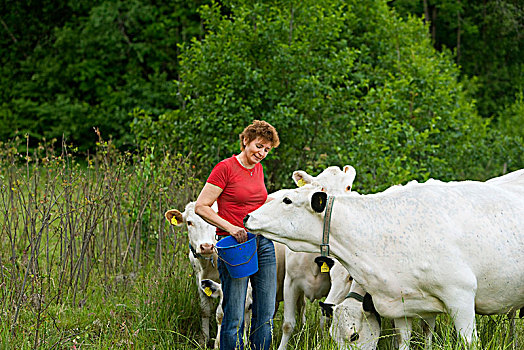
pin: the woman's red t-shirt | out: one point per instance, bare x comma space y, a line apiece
243, 190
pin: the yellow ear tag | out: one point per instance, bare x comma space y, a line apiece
208, 291
301, 182
324, 268
173, 221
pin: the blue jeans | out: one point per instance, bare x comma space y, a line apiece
264, 284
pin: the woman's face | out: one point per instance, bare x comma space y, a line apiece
257, 150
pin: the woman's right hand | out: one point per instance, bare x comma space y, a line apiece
239, 233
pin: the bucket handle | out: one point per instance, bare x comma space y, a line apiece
245, 262
242, 263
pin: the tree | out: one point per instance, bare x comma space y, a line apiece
348, 82
85, 64
488, 40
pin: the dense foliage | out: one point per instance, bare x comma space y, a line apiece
69, 66
345, 82
488, 39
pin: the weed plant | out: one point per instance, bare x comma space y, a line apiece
87, 260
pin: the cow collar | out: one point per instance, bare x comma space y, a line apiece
324, 247
200, 256
355, 296
367, 304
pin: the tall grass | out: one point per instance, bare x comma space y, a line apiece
77, 233
87, 260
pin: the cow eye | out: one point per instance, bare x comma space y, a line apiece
189, 223
287, 200
348, 188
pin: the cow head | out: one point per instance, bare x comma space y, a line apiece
290, 220
353, 326
201, 234
340, 285
332, 180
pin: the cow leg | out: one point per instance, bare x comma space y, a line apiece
512, 329
219, 317
463, 315
301, 308
291, 298
248, 309
404, 326
428, 327
322, 322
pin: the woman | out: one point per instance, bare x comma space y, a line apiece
237, 184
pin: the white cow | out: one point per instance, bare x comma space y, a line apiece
203, 259
356, 323
420, 250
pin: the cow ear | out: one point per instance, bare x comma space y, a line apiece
301, 178
319, 201
350, 172
174, 217
367, 304
320, 260
349, 169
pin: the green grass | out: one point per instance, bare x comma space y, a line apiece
158, 308
88, 262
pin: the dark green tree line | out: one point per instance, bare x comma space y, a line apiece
68, 66
488, 41
346, 82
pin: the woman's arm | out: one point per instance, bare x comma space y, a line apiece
206, 198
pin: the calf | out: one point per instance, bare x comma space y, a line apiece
356, 322
203, 259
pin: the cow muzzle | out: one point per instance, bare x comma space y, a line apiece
206, 248
354, 337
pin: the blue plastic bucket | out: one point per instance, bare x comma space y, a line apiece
241, 258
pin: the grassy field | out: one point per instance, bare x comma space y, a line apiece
87, 260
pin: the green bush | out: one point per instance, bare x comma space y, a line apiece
84, 64
347, 82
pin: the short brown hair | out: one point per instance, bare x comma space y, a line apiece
262, 129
